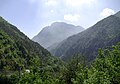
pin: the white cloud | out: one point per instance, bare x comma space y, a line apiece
107, 12
72, 18
51, 11
79, 2
51, 2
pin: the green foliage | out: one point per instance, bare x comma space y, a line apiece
106, 68
74, 70
18, 54
8, 53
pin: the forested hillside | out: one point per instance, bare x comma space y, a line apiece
23, 61
18, 53
104, 70
103, 34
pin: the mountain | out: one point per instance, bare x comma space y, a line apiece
17, 51
117, 14
57, 32
103, 34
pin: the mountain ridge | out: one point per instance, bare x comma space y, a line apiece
56, 33
88, 41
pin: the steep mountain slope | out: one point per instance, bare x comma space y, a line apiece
117, 14
104, 33
18, 51
56, 33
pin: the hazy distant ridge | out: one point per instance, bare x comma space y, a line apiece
104, 33
56, 33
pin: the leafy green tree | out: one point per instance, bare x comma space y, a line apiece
106, 68
73, 73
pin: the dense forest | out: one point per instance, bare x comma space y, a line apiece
23, 61
18, 53
105, 69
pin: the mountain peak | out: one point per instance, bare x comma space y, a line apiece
60, 24
55, 23
57, 32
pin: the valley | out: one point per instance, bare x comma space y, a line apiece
61, 54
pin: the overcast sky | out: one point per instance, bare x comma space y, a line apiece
30, 16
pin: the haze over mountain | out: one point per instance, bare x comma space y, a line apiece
57, 32
104, 33
32, 15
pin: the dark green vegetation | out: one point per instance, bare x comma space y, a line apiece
104, 33
18, 53
104, 70
51, 35
23, 61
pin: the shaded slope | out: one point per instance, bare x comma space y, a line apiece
104, 33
